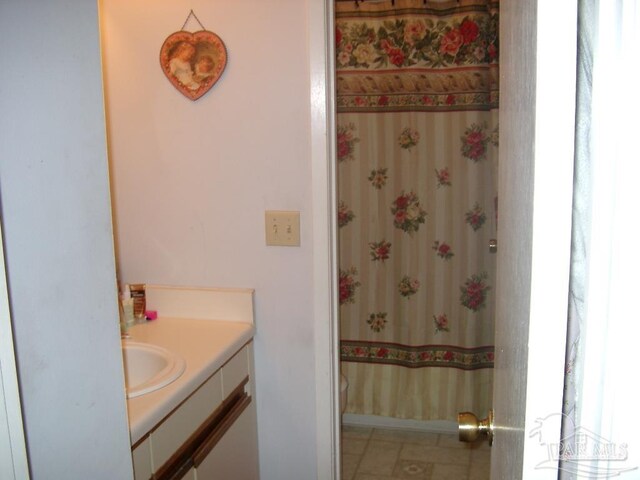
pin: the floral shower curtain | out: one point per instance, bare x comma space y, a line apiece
417, 151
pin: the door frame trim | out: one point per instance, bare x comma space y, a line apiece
324, 221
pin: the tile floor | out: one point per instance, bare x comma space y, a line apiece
387, 454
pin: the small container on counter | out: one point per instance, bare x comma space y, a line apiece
139, 301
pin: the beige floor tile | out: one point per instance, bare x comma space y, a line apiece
354, 446
379, 458
429, 454
354, 431
480, 471
394, 454
451, 441
405, 436
449, 472
412, 469
480, 456
349, 465
482, 444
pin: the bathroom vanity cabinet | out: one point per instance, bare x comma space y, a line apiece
203, 425
211, 435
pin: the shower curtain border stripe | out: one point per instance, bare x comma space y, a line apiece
417, 356
461, 108
425, 364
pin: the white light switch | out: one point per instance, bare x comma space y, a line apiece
282, 228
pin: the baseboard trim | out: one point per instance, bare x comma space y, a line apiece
375, 421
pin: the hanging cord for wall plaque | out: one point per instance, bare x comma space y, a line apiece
192, 14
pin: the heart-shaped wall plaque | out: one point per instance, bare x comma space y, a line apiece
193, 62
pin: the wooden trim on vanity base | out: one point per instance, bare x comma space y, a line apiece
195, 449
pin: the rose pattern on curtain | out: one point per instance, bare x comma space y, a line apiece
417, 136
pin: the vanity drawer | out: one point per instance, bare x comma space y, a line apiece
235, 456
235, 371
177, 428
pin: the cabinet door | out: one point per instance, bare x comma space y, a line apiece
190, 475
236, 455
142, 461
177, 428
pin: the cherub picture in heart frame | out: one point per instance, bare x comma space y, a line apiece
193, 62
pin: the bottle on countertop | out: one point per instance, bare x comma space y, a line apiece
139, 301
127, 306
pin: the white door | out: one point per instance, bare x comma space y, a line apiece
537, 105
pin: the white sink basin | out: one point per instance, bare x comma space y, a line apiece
148, 367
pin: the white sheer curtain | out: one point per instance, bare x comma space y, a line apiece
605, 293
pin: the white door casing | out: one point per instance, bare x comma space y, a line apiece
325, 251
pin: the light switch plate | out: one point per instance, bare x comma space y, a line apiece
282, 228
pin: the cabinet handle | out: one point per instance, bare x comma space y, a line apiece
222, 428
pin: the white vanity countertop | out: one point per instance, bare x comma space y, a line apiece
205, 346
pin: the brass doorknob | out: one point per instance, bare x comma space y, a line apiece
470, 428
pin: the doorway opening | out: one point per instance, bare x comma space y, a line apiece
417, 149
